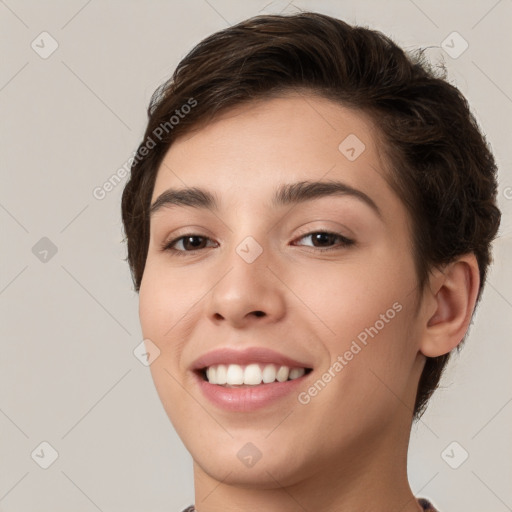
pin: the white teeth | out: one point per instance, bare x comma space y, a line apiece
269, 373
211, 374
222, 372
251, 375
235, 375
282, 373
295, 373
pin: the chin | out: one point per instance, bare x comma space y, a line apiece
261, 463
264, 474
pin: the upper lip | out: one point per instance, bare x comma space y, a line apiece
244, 357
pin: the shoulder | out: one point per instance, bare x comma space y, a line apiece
425, 505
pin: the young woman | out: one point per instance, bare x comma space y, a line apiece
309, 220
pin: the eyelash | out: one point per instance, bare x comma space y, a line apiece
345, 242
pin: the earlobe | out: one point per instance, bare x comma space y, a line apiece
452, 298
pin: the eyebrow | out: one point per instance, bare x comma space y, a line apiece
287, 194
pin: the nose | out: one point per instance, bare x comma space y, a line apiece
247, 294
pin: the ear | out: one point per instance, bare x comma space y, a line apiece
449, 304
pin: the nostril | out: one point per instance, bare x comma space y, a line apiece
259, 313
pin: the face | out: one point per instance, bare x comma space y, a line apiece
301, 295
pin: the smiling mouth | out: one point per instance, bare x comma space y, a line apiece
254, 374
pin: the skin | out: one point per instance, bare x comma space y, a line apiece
347, 448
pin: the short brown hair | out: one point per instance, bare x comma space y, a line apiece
441, 166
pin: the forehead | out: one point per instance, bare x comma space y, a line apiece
246, 152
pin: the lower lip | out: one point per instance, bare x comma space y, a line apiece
248, 398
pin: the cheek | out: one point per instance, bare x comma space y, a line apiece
164, 307
351, 295
156, 307
365, 309
167, 299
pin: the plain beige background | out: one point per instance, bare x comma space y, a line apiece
68, 374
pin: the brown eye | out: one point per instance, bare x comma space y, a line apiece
193, 242
325, 240
187, 243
